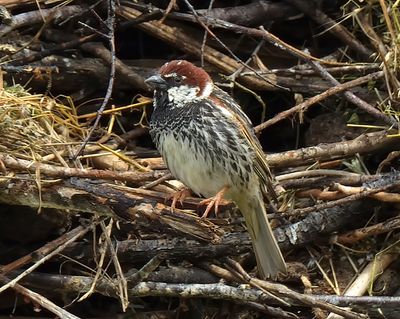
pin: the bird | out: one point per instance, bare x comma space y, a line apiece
208, 143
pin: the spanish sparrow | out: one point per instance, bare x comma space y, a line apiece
208, 143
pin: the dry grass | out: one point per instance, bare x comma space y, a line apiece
378, 20
36, 126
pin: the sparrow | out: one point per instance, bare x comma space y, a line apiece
208, 143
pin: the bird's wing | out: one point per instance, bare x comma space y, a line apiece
244, 125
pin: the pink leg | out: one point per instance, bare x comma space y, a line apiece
214, 201
179, 196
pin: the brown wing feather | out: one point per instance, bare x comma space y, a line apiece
261, 166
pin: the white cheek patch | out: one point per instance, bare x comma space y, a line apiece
182, 94
207, 90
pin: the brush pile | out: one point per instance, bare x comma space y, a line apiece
86, 228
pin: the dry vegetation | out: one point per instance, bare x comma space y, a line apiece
86, 228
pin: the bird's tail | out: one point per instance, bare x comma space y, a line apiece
269, 257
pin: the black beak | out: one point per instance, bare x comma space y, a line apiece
156, 81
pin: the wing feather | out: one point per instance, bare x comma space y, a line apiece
261, 166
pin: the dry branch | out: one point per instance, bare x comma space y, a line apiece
134, 79
351, 97
45, 258
252, 14
302, 107
332, 26
356, 235
40, 300
359, 286
366, 143
149, 250
104, 200
16, 3
67, 284
185, 42
42, 16
65, 172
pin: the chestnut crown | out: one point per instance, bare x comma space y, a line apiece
183, 76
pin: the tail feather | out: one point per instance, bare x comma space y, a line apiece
268, 254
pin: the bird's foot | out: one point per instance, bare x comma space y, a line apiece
178, 196
214, 201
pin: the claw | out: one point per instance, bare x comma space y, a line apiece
214, 201
178, 196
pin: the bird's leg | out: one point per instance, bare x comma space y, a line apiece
178, 196
214, 201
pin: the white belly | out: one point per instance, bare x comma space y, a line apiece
192, 170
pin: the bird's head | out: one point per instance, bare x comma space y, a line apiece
182, 81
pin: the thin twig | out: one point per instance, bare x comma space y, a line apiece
47, 257
347, 199
121, 280
351, 97
203, 44
302, 107
146, 270
40, 300
217, 291
284, 292
332, 26
64, 172
42, 251
201, 22
111, 39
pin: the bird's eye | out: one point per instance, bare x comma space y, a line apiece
178, 79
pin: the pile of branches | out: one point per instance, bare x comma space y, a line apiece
87, 228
